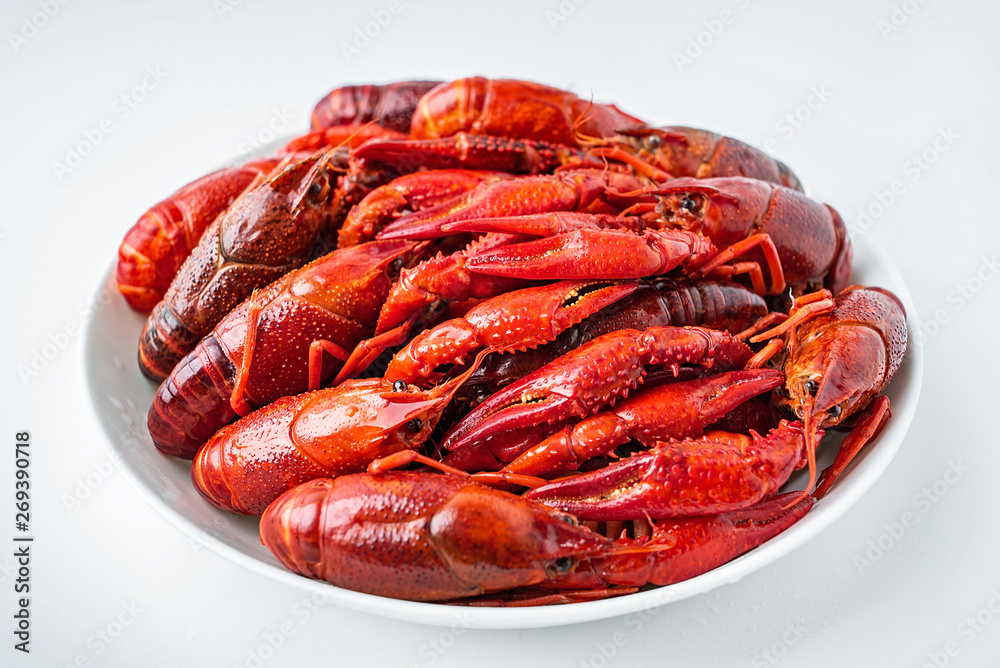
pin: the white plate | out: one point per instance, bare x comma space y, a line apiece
121, 397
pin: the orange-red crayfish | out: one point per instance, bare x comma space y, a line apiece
390, 105
319, 434
440, 537
810, 238
154, 249
766, 226
345, 427
655, 154
512, 108
284, 340
674, 152
157, 245
840, 355
239, 252
657, 302
586, 379
574, 296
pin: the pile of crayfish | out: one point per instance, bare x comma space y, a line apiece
486, 342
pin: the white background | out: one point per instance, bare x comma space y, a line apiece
230, 70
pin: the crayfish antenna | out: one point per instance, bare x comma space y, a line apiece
809, 423
804, 308
501, 479
810, 430
710, 192
578, 134
355, 133
403, 457
769, 320
650, 171
639, 208
646, 548
533, 598
496, 479
640, 192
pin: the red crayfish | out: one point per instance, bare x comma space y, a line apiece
562, 314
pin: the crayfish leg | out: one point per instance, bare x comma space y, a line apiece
766, 245
316, 350
864, 431
238, 400
368, 350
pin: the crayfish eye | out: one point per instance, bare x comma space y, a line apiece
835, 411
399, 386
396, 265
811, 386
563, 565
315, 189
653, 142
415, 425
689, 204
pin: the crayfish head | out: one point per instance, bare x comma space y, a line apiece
683, 209
724, 209
493, 540
280, 218
832, 376
414, 426
677, 150
413, 412
306, 183
834, 371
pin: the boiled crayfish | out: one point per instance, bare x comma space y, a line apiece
561, 313
441, 537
